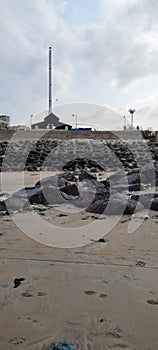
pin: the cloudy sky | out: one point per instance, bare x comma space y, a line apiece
105, 53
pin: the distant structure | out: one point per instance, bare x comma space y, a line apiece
20, 127
51, 121
131, 111
125, 123
50, 79
4, 122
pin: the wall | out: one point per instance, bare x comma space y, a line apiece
63, 134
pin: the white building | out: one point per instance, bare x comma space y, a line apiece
4, 122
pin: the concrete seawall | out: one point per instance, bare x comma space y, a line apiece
62, 134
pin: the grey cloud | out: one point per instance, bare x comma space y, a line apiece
124, 49
119, 51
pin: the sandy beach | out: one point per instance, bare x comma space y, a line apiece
79, 175
103, 295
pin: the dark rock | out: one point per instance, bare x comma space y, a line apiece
82, 163
133, 207
3, 206
86, 195
70, 189
101, 198
120, 204
97, 207
106, 183
131, 182
149, 173
86, 175
133, 178
154, 204
52, 195
50, 181
49, 189
115, 205
148, 200
14, 203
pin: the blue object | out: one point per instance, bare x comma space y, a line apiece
61, 346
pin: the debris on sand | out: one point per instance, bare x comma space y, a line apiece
60, 346
18, 281
144, 216
100, 240
62, 215
140, 263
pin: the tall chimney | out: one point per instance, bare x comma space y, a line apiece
50, 79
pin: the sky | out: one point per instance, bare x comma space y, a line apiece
105, 54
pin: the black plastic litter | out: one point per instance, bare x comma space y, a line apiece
18, 281
61, 346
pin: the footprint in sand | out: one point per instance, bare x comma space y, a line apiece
41, 294
115, 333
103, 296
112, 335
17, 341
119, 346
27, 294
90, 292
105, 320
152, 292
152, 302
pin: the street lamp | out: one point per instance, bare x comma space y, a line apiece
31, 116
131, 111
75, 115
125, 126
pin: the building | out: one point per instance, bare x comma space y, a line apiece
51, 121
4, 122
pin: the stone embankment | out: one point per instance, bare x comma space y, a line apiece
52, 155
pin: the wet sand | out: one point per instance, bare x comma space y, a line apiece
99, 296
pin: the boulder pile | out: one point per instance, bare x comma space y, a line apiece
132, 165
83, 190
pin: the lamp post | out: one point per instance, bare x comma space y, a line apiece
131, 111
31, 116
75, 115
125, 126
